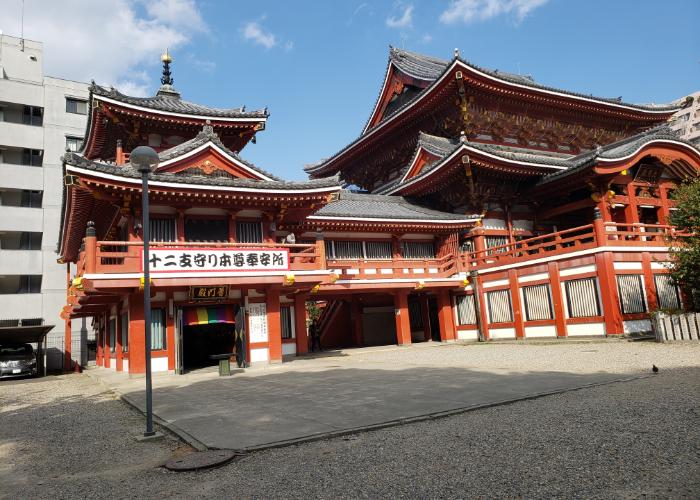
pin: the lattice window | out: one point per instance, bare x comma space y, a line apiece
158, 329
248, 232
378, 250
286, 320
538, 302
162, 229
466, 312
418, 250
500, 309
631, 292
495, 241
348, 250
582, 298
667, 293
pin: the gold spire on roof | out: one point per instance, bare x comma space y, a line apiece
165, 57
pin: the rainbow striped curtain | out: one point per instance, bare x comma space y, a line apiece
207, 315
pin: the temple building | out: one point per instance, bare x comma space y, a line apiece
489, 206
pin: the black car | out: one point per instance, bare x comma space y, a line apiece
17, 360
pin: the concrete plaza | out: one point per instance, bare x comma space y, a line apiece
344, 391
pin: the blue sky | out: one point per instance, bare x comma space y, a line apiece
319, 66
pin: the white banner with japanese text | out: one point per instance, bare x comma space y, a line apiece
183, 259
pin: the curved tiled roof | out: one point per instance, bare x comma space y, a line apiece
376, 206
171, 102
206, 135
129, 172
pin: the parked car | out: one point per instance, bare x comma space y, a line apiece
17, 360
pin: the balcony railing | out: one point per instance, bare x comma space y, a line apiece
395, 268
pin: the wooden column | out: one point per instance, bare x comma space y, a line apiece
67, 336
274, 326
631, 211
356, 318
425, 313
108, 340
137, 339
557, 298
609, 295
232, 236
403, 325
118, 337
445, 316
518, 312
170, 331
90, 249
302, 336
180, 225
665, 206
649, 284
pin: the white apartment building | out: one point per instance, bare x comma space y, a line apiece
40, 117
687, 120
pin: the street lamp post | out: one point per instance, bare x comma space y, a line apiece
145, 159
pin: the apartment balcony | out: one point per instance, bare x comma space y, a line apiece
21, 135
21, 219
21, 177
23, 262
21, 305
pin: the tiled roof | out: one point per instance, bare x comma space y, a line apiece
427, 67
128, 171
171, 102
207, 134
354, 205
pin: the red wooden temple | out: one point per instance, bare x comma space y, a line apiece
484, 205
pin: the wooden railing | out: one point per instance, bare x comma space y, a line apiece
571, 240
395, 268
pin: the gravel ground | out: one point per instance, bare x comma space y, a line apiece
632, 439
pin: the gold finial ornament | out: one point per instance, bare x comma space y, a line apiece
166, 57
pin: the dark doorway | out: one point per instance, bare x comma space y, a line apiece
202, 341
434, 320
206, 230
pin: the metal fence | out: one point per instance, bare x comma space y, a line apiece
676, 327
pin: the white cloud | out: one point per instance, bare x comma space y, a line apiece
108, 41
404, 21
289, 45
253, 32
467, 11
426, 38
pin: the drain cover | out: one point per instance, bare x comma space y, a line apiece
201, 460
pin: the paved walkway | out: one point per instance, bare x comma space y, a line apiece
353, 389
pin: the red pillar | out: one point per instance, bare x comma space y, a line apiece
118, 337
557, 299
137, 338
274, 327
170, 332
108, 341
180, 225
302, 336
445, 316
67, 340
356, 317
232, 227
649, 285
403, 325
425, 313
518, 313
608, 292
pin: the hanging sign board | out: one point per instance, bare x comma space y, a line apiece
208, 292
257, 320
193, 260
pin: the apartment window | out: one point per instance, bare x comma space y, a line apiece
32, 157
286, 320
538, 302
113, 335
33, 115
27, 284
631, 291
418, 250
466, 313
158, 329
124, 327
500, 310
77, 106
31, 199
74, 143
582, 298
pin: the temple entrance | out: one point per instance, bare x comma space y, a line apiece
203, 332
434, 320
